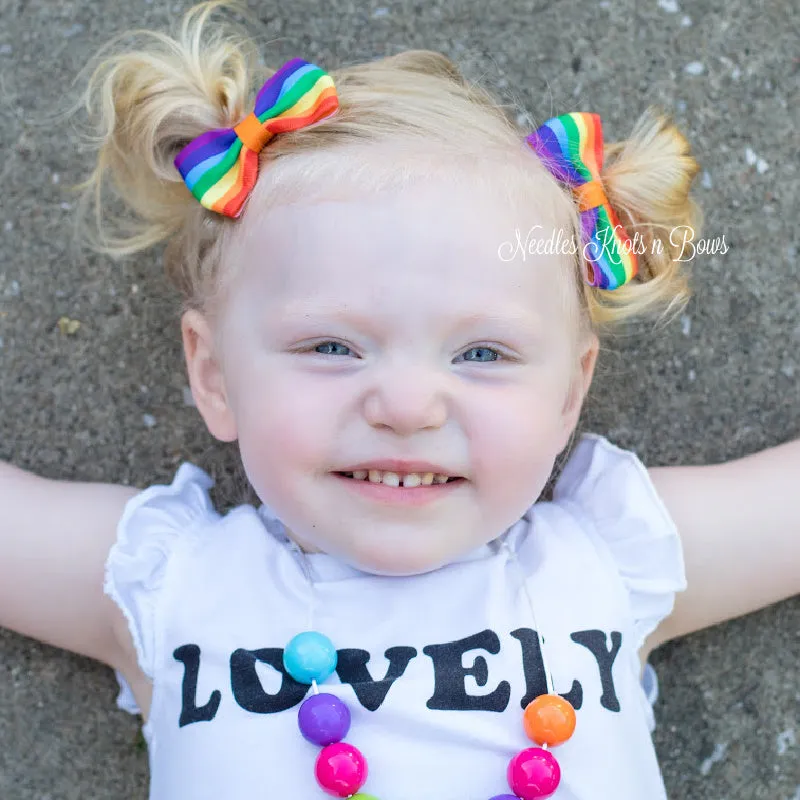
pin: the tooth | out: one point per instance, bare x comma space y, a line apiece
374, 476
440, 478
360, 474
411, 480
391, 478
427, 479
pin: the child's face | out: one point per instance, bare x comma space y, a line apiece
360, 331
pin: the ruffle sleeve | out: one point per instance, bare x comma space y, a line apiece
612, 488
154, 523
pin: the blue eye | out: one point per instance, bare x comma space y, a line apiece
332, 349
481, 354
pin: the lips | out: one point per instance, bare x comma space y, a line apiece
391, 489
396, 472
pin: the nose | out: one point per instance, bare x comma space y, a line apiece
406, 398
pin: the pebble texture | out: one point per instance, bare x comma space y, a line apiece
107, 400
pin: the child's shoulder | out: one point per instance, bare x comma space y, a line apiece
605, 481
164, 517
183, 506
185, 499
180, 516
609, 495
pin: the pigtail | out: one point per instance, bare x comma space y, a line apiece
647, 180
147, 102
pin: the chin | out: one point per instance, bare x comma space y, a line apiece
398, 563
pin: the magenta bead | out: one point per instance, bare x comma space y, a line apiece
533, 774
504, 797
341, 769
323, 719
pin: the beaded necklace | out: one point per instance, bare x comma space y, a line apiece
341, 769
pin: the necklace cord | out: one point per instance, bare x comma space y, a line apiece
304, 562
512, 556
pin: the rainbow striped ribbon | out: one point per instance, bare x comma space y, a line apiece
220, 166
571, 147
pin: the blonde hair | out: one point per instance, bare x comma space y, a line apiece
150, 101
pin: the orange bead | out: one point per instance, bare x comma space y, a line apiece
549, 719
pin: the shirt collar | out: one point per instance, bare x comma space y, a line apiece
327, 567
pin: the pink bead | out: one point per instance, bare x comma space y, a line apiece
533, 774
341, 769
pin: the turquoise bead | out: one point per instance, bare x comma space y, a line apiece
310, 656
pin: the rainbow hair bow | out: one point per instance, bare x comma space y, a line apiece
220, 166
571, 147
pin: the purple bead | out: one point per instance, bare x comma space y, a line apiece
323, 719
504, 797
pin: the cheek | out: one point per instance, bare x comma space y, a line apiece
286, 427
289, 423
281, 440
513, 452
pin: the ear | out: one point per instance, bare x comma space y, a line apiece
206, 377
581, 381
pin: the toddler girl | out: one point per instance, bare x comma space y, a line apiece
392, 303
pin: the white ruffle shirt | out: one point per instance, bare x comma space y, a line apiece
435, 668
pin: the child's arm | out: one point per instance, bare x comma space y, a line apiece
54, 539
739, 523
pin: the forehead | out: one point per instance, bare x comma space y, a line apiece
432, 244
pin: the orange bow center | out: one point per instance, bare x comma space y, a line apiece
252, 133
590, 195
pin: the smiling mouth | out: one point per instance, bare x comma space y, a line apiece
410, 481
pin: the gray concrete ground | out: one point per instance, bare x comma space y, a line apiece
722, 382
